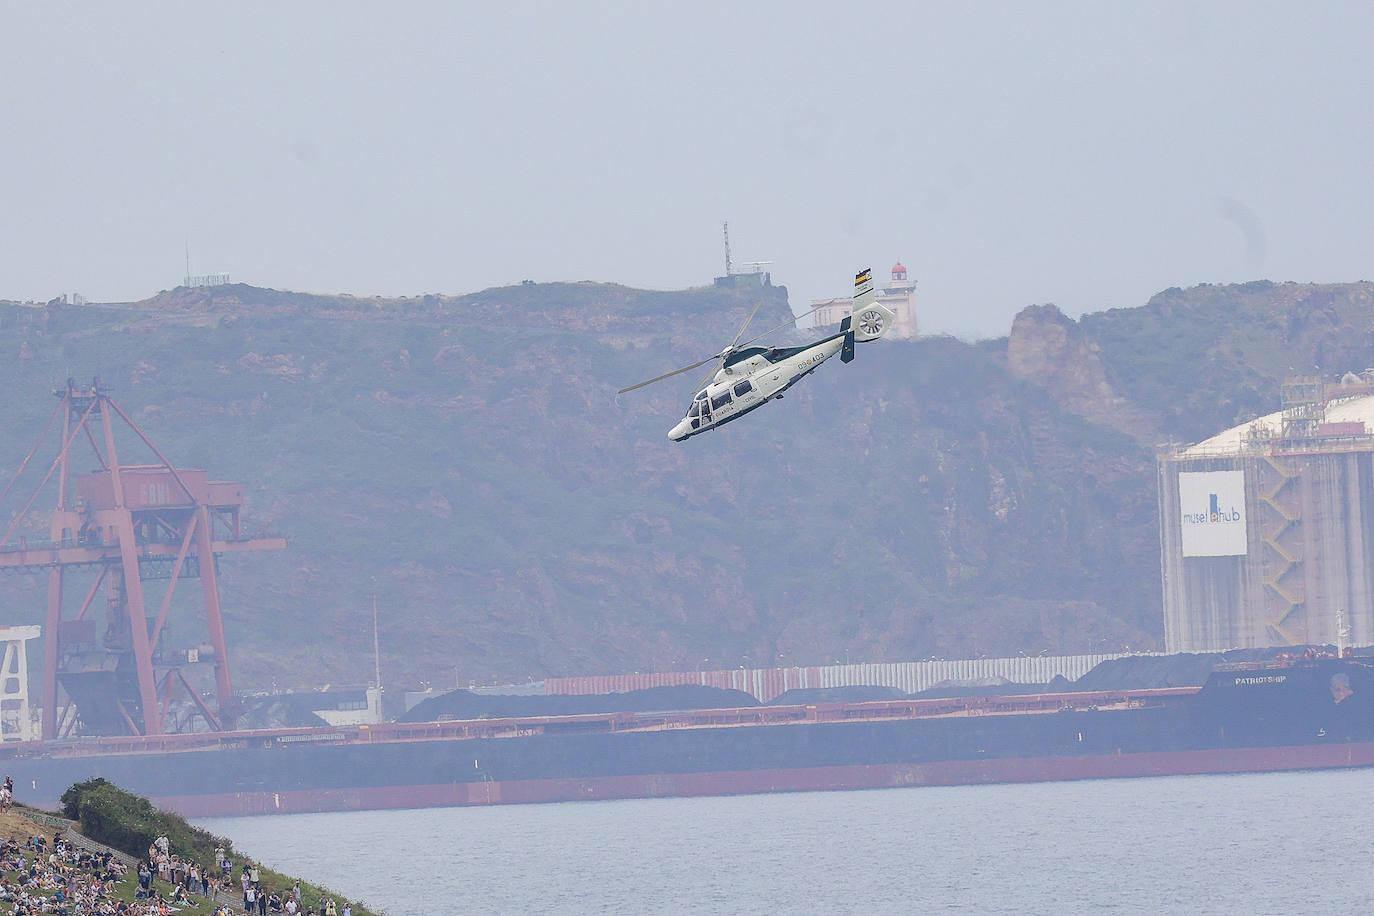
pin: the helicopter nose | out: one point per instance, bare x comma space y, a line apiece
679, 432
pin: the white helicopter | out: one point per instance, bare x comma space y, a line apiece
750, 377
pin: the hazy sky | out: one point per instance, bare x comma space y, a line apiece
1084, 154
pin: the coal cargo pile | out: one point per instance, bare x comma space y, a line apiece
1059, 684
287, 711
464, 704
803, 696
1138, 672
1141, 672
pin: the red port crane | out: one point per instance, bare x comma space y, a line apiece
123, 525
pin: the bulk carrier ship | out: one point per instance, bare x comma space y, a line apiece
1314, 712
125, 527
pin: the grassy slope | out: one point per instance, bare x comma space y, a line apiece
14, 825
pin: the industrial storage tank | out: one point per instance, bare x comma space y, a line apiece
1267, 529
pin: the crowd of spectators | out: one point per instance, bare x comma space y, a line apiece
261, 901
41, 876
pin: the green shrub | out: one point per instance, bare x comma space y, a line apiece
71, 799
129, 823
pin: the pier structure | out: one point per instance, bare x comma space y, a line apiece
119, 531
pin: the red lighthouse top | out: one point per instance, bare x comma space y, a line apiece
898, 271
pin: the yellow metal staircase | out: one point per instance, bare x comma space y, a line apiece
1288, 561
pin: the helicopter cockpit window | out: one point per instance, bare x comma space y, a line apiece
721, 400
743, 388
694, 410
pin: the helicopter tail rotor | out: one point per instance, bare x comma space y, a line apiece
868, 319
872, 322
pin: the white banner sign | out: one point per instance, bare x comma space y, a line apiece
1212, 506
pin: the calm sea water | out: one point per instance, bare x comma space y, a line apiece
1268, 843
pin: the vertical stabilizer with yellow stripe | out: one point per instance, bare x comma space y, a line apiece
868, 319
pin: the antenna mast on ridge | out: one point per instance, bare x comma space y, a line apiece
729, 268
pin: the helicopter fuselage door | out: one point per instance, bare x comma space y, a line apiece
722, 404
746, 395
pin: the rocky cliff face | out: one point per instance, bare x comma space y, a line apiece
469, 454
1051, 350
1192, 362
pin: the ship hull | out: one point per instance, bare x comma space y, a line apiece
802, 779
1297, 717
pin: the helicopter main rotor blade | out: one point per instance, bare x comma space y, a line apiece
670, 374
704, 379
734, 346
780, 327
744, 327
